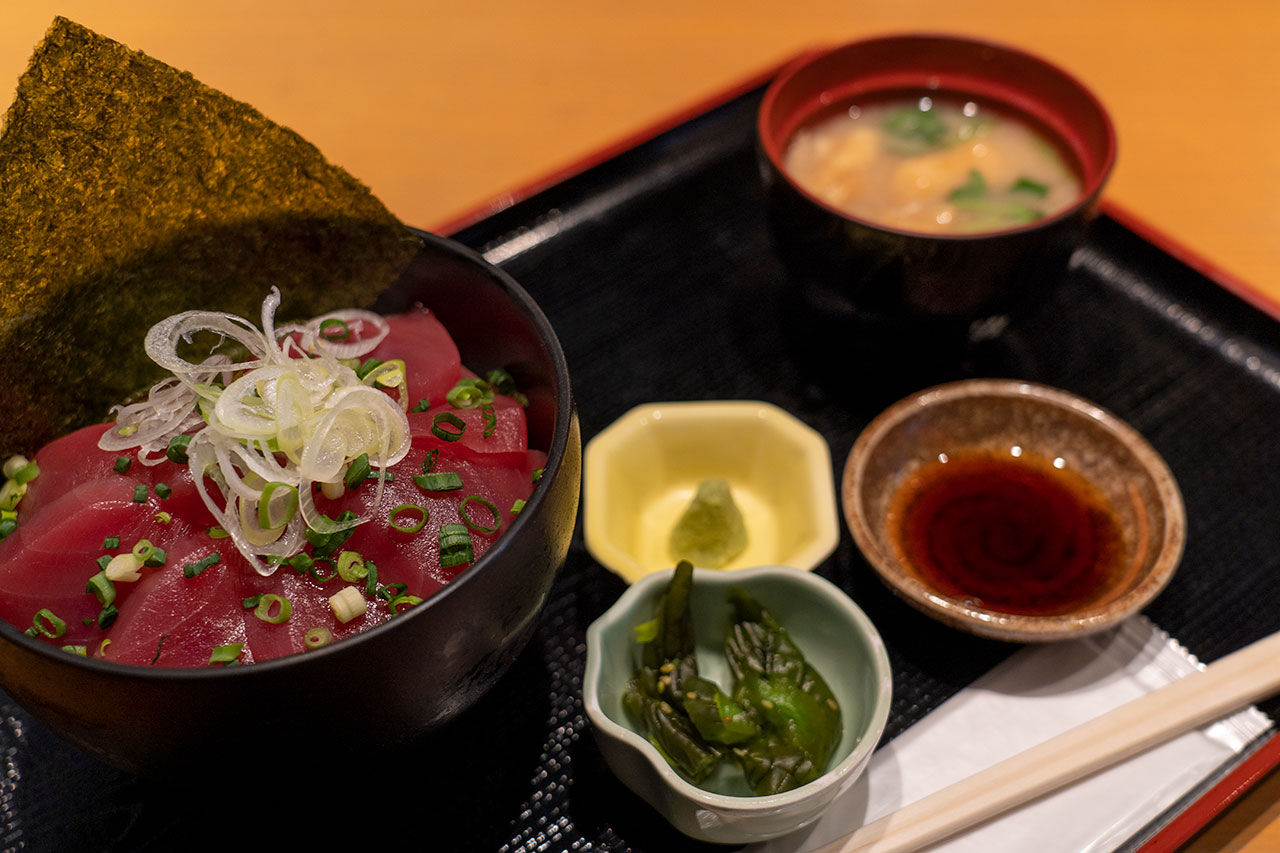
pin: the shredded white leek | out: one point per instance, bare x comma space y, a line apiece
292, 414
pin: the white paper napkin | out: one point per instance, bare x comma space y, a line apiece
1038, 692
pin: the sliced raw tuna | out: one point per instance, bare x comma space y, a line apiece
169, 619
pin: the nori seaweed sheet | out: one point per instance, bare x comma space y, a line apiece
130, 191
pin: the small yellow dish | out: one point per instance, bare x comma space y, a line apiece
642, 471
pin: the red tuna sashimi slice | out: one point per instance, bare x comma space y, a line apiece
48, 560
309, 608
67, 462
169, 619
432, 364
506, 443
413, 558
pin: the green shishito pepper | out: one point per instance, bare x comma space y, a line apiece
801, 718
657, 691
780, 720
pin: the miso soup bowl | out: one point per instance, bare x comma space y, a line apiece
834, 635
897, 279
340, 706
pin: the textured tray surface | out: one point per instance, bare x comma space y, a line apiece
658, 274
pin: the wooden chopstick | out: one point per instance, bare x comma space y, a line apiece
1226, 685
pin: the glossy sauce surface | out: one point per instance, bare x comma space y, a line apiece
1008, 533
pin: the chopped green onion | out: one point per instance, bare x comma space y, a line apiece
317, 637
429, 463
10, 493
7, 526
77, 650
102, 588
325, 544
163, 491
12, 464
357, 471
490, 420
334, 330
320, 576
469, 393
421, 406
177, 449
104, 561
402, 602
122, 464
366, 366
347, 603
439, 481
217, 531
159, 645
371, 580
455, 545
139, 494
392, 590
408, 509
301, 563
192, 569
502, 381
537, 475
124, 567
26, 473
102, 647
439, 431
351, 567
251, 602
220, 654
156, 557
48, 624
32, 631
273, 609
487, 504
164, 518
389, 374
108, 616
265, 521
517, 506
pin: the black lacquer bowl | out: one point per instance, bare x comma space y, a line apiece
385, 688
894, 282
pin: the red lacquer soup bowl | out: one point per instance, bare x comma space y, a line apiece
889, 273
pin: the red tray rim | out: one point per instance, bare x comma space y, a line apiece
1266, 757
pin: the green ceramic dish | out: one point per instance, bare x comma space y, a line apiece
835, 636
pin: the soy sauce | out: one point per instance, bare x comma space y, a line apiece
1008, 533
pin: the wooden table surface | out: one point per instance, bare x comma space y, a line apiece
442, 107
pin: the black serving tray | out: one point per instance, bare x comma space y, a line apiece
655, 267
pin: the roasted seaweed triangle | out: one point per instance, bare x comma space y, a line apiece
130, 191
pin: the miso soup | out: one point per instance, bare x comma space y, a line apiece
930, 165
